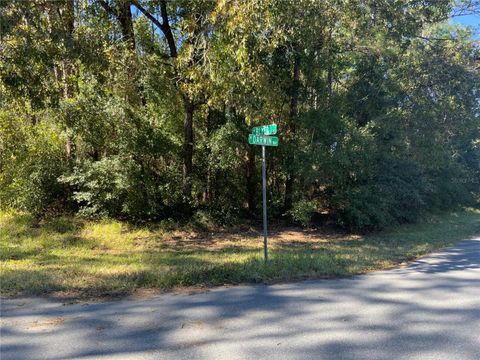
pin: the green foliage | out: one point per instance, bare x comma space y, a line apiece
220, 168
302, 211
377, 111
394, 193
115, 186
31, 160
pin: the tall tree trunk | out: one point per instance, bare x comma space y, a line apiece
124, 16
188, 101
67, 69
330, 82
250, 172
292, 129
188, 147
123, 13
208, 187
330, 68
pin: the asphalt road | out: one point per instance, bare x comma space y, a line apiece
428, 310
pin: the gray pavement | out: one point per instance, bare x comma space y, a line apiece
428, 310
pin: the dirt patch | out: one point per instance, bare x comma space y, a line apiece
278, 237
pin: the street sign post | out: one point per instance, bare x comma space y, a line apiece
264, 201
259, 136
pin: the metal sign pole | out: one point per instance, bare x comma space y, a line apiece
260, 136
264, 196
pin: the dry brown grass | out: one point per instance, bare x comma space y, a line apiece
104, 258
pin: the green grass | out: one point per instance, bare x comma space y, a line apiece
89, 258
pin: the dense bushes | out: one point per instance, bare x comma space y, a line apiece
109, 187
394, 192
31, 160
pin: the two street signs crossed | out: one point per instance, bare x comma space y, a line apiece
260, 136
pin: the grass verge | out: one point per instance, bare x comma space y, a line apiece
92, 258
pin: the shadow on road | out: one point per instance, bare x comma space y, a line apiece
429, 309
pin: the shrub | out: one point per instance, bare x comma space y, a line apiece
115, 186
394, 194
302, 211
32, 157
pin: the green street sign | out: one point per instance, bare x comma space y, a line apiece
265, 130
262, 140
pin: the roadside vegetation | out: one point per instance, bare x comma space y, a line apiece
122, 112
68, 255
140, 110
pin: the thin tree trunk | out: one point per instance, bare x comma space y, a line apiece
288, 192
67, 71
124, 16
292, 129
208, 187
188, 147
330, 68
251, 180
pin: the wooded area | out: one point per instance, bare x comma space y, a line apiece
141, 109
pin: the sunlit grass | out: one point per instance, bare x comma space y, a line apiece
103, 257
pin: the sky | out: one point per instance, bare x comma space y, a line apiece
470, 20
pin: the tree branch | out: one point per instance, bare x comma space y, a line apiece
435, 38
149, 16
164, 27
167, 31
